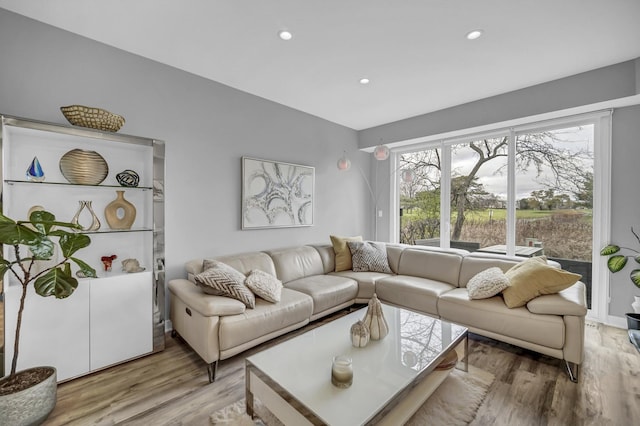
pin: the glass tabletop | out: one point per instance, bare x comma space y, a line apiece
301, 366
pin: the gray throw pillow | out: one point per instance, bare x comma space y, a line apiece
368, 256
220, 279
487, 283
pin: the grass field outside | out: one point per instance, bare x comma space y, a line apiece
565, 233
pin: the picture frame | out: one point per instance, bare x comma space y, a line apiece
276, 194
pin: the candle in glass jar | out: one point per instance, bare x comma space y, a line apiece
342, 371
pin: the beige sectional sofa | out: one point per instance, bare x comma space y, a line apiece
425, 279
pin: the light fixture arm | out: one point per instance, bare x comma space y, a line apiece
381, 153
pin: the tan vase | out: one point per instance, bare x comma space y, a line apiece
120, 214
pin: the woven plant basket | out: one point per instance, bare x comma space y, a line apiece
93, 118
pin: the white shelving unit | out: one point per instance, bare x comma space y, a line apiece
118, 315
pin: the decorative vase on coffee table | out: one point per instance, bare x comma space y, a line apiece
120, 213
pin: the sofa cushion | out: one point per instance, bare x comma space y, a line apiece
327, 291
487, 283
293, 308
493, 315
343, 255
435, 265
416, 293
366, 281
293, 263
533, 278
264, 285
328, 256
242, 262
368, 257
475, 263
219, 279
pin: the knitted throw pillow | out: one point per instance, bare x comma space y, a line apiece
367, 256
220, 279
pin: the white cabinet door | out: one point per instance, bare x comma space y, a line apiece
54, 331
121, 318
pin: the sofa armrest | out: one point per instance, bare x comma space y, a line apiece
207, 305
571, 301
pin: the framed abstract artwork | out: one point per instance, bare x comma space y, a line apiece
276, 194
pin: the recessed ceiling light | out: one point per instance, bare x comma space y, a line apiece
285, 35
364, 80
472, 35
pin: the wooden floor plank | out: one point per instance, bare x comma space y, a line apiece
172, 388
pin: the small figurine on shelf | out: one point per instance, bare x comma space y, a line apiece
35, 172
107, 261
131, 265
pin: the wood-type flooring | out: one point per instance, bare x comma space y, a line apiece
171, 387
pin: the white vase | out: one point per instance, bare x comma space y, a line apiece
636, 304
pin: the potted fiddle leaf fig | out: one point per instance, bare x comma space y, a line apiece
616, 262
29, 396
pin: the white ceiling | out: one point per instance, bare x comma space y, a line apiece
414, 51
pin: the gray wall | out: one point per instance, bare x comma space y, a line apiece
207, 128
616, 81
625, 205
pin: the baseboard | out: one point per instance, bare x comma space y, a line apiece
619, 322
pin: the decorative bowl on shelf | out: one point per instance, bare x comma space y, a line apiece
94, 118
84, 167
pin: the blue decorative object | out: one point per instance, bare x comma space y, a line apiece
35, 172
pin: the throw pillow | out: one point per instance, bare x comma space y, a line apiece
367, 256
487, 283
343, 254
264, 285
220, 279
532, 278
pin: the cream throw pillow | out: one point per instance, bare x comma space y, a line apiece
487, 283
343, 254
220, 279
264, 285
532, 278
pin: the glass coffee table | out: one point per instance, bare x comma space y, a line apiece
392, 377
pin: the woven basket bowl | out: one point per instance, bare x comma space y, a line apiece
94, 118
82, 167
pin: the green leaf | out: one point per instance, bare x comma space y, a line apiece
43, 249
41, 220
71, 243
13, 233
87, 270
57, 282
5, 265
610, 249
635, 277
616, 263
637, 258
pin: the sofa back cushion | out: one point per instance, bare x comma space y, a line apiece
440, 265
477, 262
243, 262
328, 257
296, 262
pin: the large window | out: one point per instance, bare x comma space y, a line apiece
524, 192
